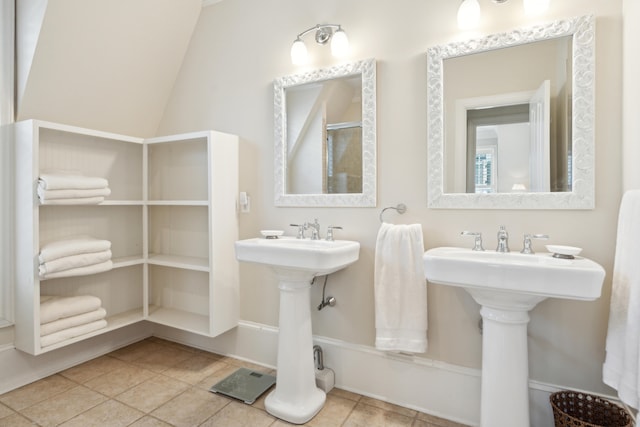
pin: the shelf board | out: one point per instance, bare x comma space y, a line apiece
188, 263
187, 321
128, 261
122, 203
177, 203
113, 322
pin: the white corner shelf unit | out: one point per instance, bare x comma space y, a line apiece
171, 219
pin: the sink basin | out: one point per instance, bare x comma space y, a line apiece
507, 286
295, 262
537, 275
318, 257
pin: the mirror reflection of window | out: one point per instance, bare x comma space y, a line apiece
486, 163
344, 158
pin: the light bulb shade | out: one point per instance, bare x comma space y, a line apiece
299, 53
469, 14
535, 7
339, 44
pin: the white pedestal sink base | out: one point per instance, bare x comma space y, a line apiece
296, 398
505, 368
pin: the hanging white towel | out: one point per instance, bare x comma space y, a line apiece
64, 181
72, 246
76, 331
400, 289
620, 369
70, 322
56, 307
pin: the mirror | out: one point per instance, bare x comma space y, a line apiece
325, 137
511, 119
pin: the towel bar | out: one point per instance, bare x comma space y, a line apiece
400, 208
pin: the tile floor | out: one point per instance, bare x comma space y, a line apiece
157, 383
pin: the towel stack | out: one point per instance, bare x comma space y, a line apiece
77, 256
69, 189
63, 318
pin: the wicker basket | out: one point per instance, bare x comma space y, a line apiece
573, 409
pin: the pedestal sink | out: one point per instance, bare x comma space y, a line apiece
296, 398
507, 286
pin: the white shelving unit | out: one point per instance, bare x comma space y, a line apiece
171, 218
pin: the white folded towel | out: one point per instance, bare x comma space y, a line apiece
49, 195
73, 321
74, 201
400, 289
621, 367
73, 261
72, 246
63, 181
80, 271
56, 307
67, 334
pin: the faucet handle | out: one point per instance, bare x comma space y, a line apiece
477, 243
330, 232
526, 243
301, 228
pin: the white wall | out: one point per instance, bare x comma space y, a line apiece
226, 84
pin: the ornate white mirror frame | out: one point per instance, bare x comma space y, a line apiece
582, 195
365, 68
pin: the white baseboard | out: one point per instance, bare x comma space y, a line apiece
430, 386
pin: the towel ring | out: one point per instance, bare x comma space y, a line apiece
400, 208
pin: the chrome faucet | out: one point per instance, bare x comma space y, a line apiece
503, 240
526, 243
315, 229
301, 229
330, 232
477, 243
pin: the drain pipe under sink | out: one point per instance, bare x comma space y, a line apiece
325, 377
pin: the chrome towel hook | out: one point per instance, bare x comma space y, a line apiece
400, 208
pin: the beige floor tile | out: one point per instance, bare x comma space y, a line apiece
244, 364
33, 393
190, 408
163, 359
120, 380
93, 368
16, 420
436, 421
334, 413
237, 414
388, 406
152, 393
194, 369
150, 422
173, 344
136, 350
5, 411
63, 406
345, 394
109, 413
370, 416
217, 376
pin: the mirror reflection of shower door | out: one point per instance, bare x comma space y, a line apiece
539, 125
344, 158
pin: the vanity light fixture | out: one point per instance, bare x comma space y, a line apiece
323, 33
469, 14
469, 11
